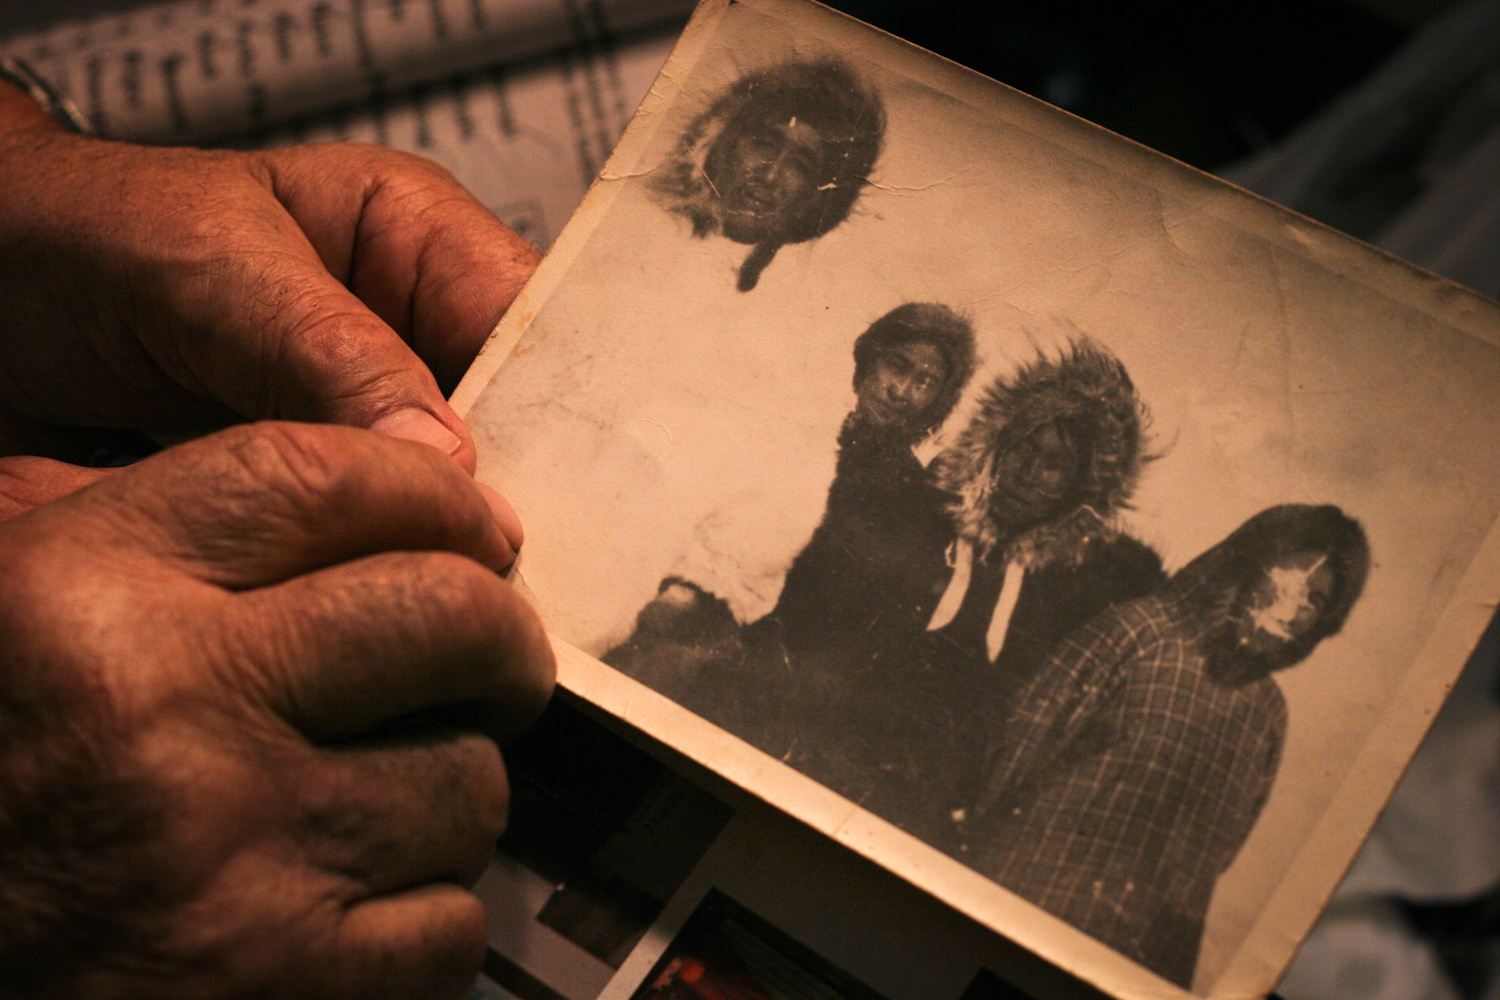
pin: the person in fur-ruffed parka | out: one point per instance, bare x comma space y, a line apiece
1031, 488
1041, 474
780, 157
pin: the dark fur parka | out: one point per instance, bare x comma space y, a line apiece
1078, 562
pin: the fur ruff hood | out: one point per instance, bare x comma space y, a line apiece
1088, 388
827, 94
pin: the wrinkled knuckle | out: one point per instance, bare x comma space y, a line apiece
460, 952
530, 668
301, 464
498, 625
256, 659
456, 513
473, 781
323, 333
473, 601
403, 165
426, 193
540, 668
203, 224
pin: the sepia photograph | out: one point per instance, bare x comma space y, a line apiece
1099, 526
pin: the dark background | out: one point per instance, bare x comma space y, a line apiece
1207, 82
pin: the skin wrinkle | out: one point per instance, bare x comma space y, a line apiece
336, 338
213, 938
282, 347
438, 276
113, 360
167, 350
201, 221
358, 240
274, 176
255, 660
205, 539
286, 466
144, 281
203, 278
16, 482
424, 256
275, 747
303, 623
127, 823
429, 207
443, 776
437, 593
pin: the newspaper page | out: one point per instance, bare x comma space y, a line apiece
525, 139
521, 101
201, 71
1079, 537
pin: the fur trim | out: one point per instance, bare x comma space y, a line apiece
827, 93
1089, 389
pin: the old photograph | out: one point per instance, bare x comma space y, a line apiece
725, 952
1100, 527
602, 834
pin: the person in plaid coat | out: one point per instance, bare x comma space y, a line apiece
1132, 768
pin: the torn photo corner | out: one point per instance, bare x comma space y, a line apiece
1079, 537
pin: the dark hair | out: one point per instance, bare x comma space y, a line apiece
828, 95
1226, 574
927, 323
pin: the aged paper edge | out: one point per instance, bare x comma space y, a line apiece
596, 202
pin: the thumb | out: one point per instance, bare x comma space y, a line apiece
332, 360
261, 323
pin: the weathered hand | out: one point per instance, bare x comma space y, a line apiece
156, 288
251, 696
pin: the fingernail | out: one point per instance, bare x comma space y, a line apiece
506, 517
416, 424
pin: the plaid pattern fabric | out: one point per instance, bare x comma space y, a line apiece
1126, 781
